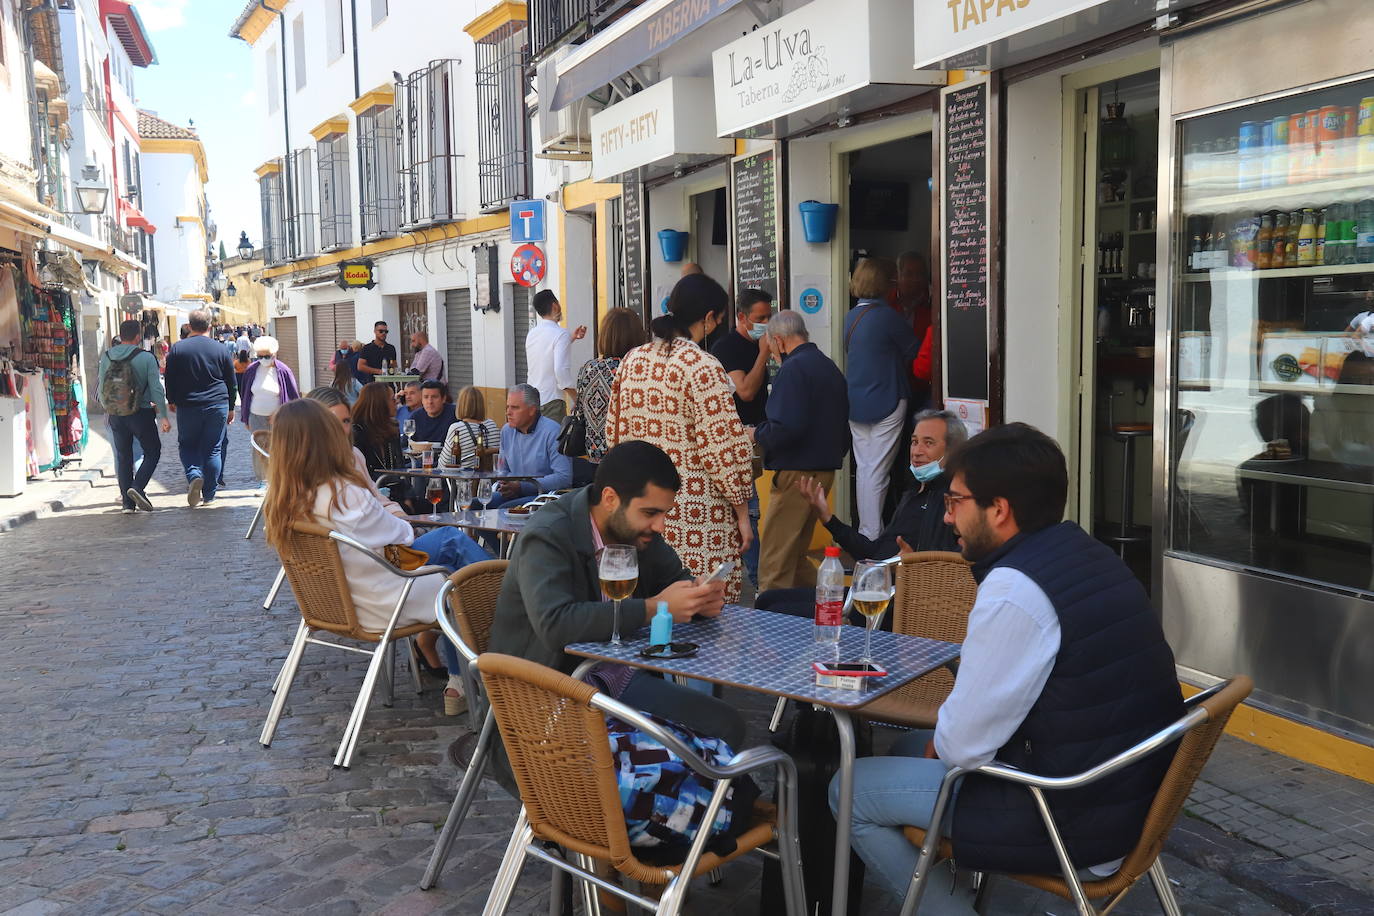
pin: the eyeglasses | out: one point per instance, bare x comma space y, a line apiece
383, 331
952, 499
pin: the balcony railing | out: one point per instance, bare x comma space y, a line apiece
431, 161
554, 21
502, 128
109, 230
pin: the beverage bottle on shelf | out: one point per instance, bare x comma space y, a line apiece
1264, 243
1195, 242
1333, 252
1321, 237
1364, 136
1307, 239
1364, 232
1348, 233
829, 605
1294, 226
1250, 161
1280, 257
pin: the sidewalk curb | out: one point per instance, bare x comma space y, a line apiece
1286, 883
96, 463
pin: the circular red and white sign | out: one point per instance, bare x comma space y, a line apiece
527, 265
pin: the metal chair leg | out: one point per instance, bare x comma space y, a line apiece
471, 690
276, 587
283, 685
591, 900
778, 710
558, 885
458, 812
388, 677
415, 664
349, 741
503, 885
1163, 891
257, 516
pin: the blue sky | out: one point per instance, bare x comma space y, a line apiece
203, 75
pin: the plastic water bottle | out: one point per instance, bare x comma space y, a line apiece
829, 605
661, 627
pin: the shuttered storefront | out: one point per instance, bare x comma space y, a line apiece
329, 324
458, 333
412, 311
284, 329
520, 302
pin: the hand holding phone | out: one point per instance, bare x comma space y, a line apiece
722, 572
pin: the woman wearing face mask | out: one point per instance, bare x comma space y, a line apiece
266, 384
673, 394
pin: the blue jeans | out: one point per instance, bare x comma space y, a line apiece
200, 432
451, 549
751, 556
127, 435
890, 793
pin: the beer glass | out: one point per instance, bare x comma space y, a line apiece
618, 567
872, 594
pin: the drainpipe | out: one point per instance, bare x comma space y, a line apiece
357, 92
289, 196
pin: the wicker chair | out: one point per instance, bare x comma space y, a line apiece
554, 729
935, 592
261, 440
315, 570
1199, 729
465, 608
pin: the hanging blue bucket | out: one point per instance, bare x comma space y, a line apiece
818, 220
673, 244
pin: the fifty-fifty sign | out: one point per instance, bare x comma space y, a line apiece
671, 118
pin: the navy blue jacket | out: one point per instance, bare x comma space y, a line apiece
200, 373
432, 429
1112, 685
878, 356
807, 421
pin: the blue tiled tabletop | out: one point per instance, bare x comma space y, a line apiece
495, 520
772, 653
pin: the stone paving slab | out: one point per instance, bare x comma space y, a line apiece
136, 664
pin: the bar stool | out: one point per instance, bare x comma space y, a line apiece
1127, 434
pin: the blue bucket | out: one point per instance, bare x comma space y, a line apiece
818, 220
673, 244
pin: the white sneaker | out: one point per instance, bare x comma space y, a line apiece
139, 499
127, 511
193, 492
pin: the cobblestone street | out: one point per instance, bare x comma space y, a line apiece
137, 662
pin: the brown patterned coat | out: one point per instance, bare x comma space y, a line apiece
676, 396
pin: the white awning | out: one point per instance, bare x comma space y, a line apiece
653, 132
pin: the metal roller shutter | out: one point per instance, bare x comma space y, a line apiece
329, 324
284, 329
458, 333
520, 301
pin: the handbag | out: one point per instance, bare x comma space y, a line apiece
404, 557
572, 435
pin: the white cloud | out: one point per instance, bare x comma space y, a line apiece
161, 15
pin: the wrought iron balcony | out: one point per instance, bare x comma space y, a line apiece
554, 22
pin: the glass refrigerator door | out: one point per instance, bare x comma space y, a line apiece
1273, 458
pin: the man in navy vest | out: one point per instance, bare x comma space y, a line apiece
1064, 665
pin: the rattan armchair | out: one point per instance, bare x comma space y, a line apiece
315, 570
935, 592
465, 608
554, 730
1199, 729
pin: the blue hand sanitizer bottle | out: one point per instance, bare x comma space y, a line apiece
661, 628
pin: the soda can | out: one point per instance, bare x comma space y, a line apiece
1298, 144
1366, 117
1278, 152
1250, 136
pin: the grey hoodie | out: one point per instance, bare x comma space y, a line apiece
145, 370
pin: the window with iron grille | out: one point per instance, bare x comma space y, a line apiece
336, 217
428, 152
380, 208
273, 201
301, 215
503, 129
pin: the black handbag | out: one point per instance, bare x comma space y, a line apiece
572, 435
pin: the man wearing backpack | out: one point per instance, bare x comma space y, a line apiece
131, 392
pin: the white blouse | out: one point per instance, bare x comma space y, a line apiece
362, 517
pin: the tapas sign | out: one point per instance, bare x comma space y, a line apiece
359, 274
527, 265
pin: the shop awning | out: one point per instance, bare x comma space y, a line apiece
629, 42
823, 61
88, 246
973, 34
134, 216
667, 126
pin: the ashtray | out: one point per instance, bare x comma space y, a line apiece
670, 650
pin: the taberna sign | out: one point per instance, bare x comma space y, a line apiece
357, 274
668, 123
813, 54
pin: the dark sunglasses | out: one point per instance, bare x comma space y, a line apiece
383, 332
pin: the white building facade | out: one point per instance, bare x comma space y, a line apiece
174, 173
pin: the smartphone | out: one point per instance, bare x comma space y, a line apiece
722, 572
850, 669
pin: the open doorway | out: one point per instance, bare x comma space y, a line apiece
1118, 270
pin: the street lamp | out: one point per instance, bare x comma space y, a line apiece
232, 290
90, 192
219, 282
245, 247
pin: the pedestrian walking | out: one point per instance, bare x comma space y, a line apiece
131, 393
879, 349
201, 390
267, 384
547, 346
805, 435
675, 395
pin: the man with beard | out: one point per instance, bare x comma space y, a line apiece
1064, 666
551, 595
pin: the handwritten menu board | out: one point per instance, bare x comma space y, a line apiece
754, 191
633, 216
964, 126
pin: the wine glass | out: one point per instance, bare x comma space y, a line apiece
618, 567
434, 492
408, 428
872, 594
483, 494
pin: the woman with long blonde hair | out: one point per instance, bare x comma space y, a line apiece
312, 477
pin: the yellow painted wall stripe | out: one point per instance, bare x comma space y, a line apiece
486, 223
584, 193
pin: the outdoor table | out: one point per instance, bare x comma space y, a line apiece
772, 653
397, 382
495, 521
451, 476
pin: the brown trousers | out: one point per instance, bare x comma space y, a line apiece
786, 532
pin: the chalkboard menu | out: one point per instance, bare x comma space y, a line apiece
633, 218
964, 126
756, 222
